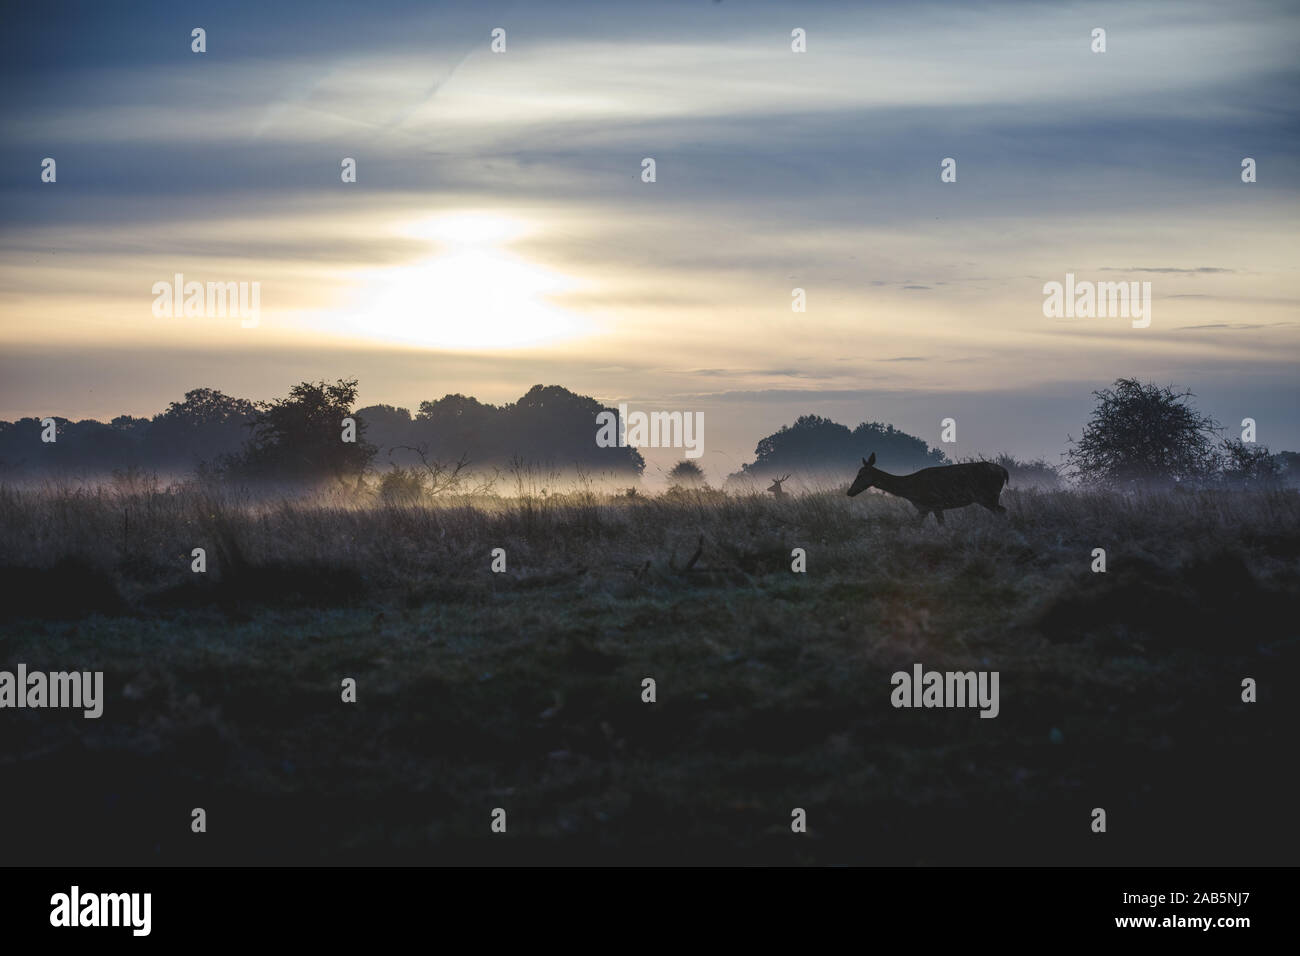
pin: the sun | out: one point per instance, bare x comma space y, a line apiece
473, 293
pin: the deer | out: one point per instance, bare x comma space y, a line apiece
776, 489
935, 490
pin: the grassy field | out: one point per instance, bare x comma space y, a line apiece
522, 689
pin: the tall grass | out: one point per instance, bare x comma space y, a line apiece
141, 531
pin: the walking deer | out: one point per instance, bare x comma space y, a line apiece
776, 488
938, 489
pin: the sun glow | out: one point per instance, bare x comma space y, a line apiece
469, 229
473, 294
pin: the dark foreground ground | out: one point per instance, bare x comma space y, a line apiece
522, 690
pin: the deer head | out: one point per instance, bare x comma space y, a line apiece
866, 476
776, 488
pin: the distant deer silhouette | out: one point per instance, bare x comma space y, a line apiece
776, 488
937, 489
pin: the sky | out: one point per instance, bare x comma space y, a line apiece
500, 233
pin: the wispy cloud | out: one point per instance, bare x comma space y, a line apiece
1200, 270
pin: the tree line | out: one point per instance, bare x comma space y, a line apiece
1138, 435
301, 437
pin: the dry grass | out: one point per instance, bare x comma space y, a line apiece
522, 689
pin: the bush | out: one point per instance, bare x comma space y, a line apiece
1030, 474
687, 474
1143, 436
401, 486
1249, 465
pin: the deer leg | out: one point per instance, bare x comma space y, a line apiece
938, 516
920, 515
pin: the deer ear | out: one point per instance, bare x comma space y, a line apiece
872, 459
865, 463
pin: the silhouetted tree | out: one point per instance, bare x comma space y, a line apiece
387, 427
204, 426
548, 426
458, 425
131, 425
1289, 463
686, 472
897, 449
815, 443
207, 406
21, 446
1143, 435
84, 446
1030, 474
1249, 465
301, 437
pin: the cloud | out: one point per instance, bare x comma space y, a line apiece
822, 168
1201, 270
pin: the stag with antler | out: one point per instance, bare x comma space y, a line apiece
776, 489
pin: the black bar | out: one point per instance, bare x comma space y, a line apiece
333, 905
